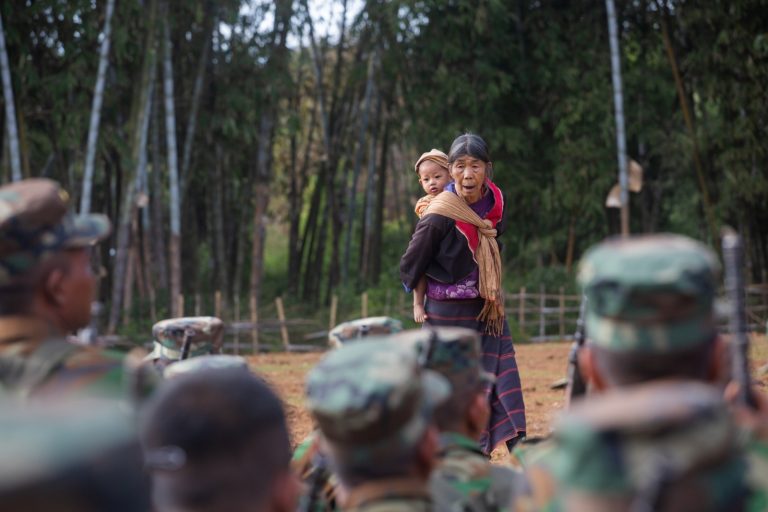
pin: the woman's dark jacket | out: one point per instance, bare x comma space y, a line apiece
440, 251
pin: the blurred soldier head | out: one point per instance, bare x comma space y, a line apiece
373, 405
664, 446
70, 456
650, 311
45, 255
454, 353
198, 335
362, 328
216, 440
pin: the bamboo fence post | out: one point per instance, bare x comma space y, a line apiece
283, 326
562, 313
542, 305
198, 304
521, 309
217, 304
181, 304
332, 316
364, 305
388, 303
254, 325
237, 320
400, 303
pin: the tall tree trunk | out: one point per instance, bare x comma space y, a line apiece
376, 233
128, 209
276, 72
10, 109
98, 97
173, 170
365, 255
197, 93
363, 130
222, 283
159, 253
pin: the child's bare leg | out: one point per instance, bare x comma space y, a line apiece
419, 313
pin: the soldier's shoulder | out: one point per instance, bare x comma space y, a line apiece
87, 371
757, 475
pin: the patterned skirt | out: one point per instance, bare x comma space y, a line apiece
498, 357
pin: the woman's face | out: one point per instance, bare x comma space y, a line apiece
469, 174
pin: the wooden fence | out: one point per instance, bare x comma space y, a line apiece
533, 315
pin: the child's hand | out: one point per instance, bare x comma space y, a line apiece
419, 314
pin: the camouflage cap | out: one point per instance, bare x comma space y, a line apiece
205, 362
361, 328
649, 293
453, 352
35, 222
206, 335
372, 397
654, 443
70, 455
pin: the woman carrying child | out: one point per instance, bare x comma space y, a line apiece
454, 246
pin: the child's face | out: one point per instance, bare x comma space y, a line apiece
433, 178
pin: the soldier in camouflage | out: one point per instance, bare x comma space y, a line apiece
654, 433
309, 461
373, 405
46, 290
464, 480
183, 338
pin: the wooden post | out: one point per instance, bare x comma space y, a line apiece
237, 320
217, 304
254, 326
562, 313
542, 305
198, 304
332, 316
364, 305
283, 326
400, 304
521, 309
181, 304
388, 303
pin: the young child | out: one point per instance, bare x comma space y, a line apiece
432, 168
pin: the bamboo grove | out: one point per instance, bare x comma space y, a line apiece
213, 132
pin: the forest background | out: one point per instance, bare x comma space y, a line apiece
265, 149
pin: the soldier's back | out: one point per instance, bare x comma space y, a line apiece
396, 495
466, 480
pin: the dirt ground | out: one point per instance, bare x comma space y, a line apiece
540, 365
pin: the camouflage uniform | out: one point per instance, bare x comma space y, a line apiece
361, 328
205, 362
464, 479
202, 334
373, 404
308, 461
662, 444
70, 456
35, 358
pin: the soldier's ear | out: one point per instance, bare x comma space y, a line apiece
285, 492
719, 363
590, 369
53, 287
427, 451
